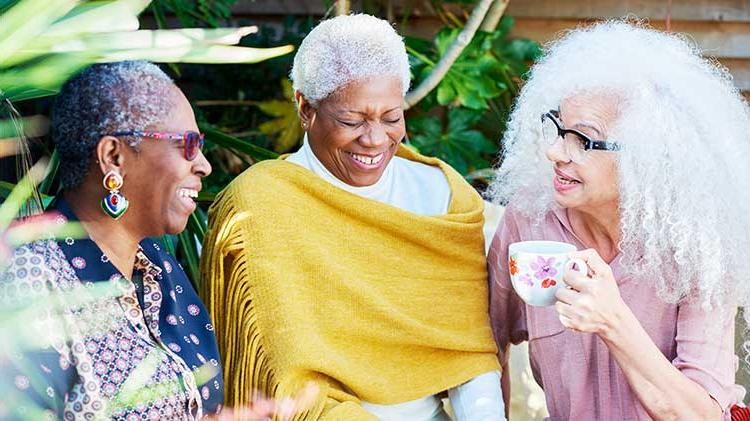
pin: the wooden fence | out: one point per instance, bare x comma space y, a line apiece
720, 27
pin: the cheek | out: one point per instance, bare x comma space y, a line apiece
604, 177
397, 132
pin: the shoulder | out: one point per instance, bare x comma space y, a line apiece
30, 270
263, 179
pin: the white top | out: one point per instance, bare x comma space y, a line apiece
408, 185
424, 190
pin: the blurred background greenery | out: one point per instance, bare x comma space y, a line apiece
247, 110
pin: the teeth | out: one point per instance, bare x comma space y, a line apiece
366, 159
565, 180
187, 193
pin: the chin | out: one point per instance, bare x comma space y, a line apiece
175, 227
565, 202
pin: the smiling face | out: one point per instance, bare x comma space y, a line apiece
356, 131
158, 181
591, 183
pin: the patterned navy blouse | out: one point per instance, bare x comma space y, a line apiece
153, 331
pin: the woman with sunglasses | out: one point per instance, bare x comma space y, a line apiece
130, 169
641, 164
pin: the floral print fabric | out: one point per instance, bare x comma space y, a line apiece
149, 334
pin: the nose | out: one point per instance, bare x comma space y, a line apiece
201, 166
556, 152
375, 136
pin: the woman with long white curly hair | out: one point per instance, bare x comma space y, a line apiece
639, 160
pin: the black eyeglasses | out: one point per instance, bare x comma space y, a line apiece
193, 140
576, 143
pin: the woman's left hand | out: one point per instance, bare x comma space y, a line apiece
592, 303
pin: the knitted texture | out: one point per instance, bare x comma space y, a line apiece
307, 282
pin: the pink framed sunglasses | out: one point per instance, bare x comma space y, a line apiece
193, 140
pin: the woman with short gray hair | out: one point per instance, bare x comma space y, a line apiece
130, 166
354, 262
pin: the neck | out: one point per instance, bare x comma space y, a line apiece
598, 229
119, 243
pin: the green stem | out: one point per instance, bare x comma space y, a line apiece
419, 55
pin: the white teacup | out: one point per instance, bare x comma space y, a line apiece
537, 267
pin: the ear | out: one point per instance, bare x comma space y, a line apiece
110, 154
305, 110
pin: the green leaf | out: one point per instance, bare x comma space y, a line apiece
522, 50
470, 97
428, 126
26, 21
445, 38
41, 78
445, 92
504, 26
129, 40
457, 143
285, 129
460, 119
187, 248
217, 54
54, 165
237, 144
488, 88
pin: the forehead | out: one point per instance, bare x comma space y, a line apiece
597, 106
180, 116
377, 93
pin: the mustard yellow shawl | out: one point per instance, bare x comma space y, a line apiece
306, 281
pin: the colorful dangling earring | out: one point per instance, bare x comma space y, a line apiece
114, 204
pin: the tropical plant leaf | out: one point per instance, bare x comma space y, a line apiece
284, 129
236, 144
456, 143
42, 78
217, 54
98, 17
27, 20
197, 12
104, 43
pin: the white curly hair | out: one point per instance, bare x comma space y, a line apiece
683, 170
346, 49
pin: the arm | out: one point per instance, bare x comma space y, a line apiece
507, 316
594, 305
33, 380
664, 391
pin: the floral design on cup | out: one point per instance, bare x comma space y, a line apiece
548, 282
513, 265
526, 280
544, 267
536, 269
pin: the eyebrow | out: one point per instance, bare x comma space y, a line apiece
364, 113
578, 126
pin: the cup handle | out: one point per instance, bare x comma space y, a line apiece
578, 266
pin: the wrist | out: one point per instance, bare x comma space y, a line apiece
616, 325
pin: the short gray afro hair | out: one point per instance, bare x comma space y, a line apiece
346, 49
128, 95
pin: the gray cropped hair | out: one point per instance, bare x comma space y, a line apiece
345, 49
128, 95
